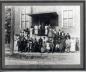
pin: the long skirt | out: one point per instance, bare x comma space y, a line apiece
42, 50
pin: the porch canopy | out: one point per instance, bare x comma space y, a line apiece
51, 14
45, 18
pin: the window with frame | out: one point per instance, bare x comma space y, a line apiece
25, 20
67, 18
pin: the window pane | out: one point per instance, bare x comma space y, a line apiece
28, 10
23, 17
70, 14
28, 18
70, 22
28, 24
67, 18
23, 11
23, 25
65, 14
65, 23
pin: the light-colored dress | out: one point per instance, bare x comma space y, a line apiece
46, 30
15, 44
47, 46
57, 45
31, 32
73, 42
68, 45
36, 29
50, 33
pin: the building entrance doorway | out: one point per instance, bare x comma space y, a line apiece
41, 21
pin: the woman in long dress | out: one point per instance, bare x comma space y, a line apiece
77, 44
16, 43
50, 33
57, 47
68, 44
46, 30
48, 46
31, 31
43, 48
36, 29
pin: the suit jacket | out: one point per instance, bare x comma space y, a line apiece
68, 36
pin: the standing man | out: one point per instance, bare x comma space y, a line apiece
68, 36
40, 43
59, 32
52, 47
30, 44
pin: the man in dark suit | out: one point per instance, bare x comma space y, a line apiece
40, 42
68, 36
35, 45
59, 32
30, 44
52, 47
62, 35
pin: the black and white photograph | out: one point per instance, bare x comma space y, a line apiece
42, 34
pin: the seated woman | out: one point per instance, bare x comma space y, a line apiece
57, 47
43, 48
48, 46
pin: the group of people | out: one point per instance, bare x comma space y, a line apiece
60, 42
